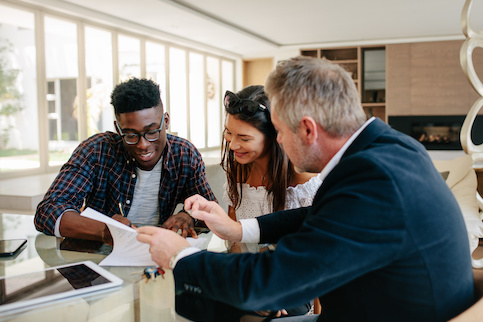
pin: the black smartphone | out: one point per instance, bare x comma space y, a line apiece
9, 247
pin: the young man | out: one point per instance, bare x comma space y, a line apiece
384, 239
141, 172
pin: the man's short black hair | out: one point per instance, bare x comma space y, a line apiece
134, 95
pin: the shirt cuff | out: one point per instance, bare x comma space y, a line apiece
57, 227
182, 254
250, 231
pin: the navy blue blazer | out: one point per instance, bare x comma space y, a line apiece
383, 241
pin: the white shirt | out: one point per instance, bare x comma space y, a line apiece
145, 205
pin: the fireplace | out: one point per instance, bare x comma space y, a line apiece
437, 132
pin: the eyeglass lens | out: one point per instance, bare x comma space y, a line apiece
153, 135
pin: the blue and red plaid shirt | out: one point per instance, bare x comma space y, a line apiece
101, 172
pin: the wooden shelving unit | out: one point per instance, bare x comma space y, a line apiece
352, 60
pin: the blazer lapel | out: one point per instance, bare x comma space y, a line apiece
367, 137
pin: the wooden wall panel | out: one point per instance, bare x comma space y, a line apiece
255, 71
427, 79
398, 79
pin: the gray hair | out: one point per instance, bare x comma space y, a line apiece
317, 88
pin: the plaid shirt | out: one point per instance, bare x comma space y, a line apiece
101, 172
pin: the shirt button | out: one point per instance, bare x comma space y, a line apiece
128, 202
133, 175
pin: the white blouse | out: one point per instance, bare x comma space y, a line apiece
256, 202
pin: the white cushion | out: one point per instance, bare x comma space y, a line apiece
461, 179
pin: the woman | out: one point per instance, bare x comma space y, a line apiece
260, 177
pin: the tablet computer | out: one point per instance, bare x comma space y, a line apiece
33, 289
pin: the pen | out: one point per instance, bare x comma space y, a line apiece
120, 208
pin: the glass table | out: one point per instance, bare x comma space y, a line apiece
136, 300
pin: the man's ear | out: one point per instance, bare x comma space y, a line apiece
166, 121
308, 130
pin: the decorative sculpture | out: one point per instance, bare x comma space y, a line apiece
473, 39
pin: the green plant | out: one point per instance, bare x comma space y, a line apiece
10, 96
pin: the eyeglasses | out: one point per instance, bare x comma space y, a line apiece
133, 138
235, 105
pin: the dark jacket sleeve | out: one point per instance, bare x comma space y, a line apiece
286, 222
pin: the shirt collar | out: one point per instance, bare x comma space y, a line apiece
336, 158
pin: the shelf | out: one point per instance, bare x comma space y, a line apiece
377, 111
382, 104
340, 54
352, 59
345, 61
374, 96
310, 53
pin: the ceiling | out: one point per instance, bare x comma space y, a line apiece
258, 28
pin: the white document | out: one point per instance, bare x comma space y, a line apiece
127, 250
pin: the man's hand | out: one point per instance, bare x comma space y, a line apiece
73, 225
106, 234
181, 221
122, 220
164, 243
215, 218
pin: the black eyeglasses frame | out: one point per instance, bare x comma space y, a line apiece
123, 135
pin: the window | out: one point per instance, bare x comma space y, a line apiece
156, 66
129, 57
197, 100
61, 72
100, 115
177, 92
214, 99
43, 117
19, 119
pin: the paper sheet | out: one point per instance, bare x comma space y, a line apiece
127, 250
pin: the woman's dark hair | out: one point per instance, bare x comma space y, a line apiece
279, 170
135, 94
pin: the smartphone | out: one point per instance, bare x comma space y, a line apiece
9, 247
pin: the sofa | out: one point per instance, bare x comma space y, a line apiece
216, 177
